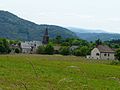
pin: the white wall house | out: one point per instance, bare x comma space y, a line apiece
102, 52
30, 46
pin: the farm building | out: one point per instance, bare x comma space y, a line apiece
103, 52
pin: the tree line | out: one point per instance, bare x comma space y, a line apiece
6, 46
68, 46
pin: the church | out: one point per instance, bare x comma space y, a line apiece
46, 37
30, 47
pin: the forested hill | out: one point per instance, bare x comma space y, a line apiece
13, 27
92, 35
101, 36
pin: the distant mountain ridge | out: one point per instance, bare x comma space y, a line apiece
92, 35
81, 30
13, 27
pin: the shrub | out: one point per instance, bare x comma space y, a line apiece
82, 51
41, 50
117, 54
65, 50
17, 50
115, 63
49, 49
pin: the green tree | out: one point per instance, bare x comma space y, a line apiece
65, 44
2, 49
117, 54
82, 51
77, 52
65, 50
49, 49
98, 42
17, 50
58, 39
41, 50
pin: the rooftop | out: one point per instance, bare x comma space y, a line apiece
105, 49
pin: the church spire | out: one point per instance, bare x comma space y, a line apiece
45, 37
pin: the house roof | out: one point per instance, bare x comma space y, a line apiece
105, 49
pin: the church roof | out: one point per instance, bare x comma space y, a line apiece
105, 49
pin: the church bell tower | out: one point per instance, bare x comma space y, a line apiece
46, 37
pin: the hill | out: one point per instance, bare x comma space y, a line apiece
13, 27
81, 30
95, 36
92, 35
37, 72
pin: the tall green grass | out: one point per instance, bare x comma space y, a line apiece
37, 72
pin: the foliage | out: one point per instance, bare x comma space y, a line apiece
41, 50
117, 54
113, 43
65, 50
98, 42
13, 27
65, 44
58, 39
115, 63
17, 50
82, 51
4, 46
49, 49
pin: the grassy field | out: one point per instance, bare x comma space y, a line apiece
37, 72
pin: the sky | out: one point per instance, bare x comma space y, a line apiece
89, 14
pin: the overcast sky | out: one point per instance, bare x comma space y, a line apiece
92, 14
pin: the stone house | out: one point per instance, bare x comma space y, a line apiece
30, 46
102, 52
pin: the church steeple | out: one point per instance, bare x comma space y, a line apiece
46, 37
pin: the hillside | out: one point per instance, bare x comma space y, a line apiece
95, 36
82, 30
13, 27
92, 35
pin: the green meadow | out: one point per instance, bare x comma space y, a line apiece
55, 72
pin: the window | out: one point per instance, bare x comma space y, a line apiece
108, 54
97, 54
105, 54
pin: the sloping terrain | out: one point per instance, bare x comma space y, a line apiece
13, 27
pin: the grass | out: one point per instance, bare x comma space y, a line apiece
37, 72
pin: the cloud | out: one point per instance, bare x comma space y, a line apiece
117, 19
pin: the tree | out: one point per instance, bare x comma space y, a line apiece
82, 51
41, 50
49, 49
58, 39
17, 50
77, 52
98, 42
2, 49
117, 54
65, 44
65, 50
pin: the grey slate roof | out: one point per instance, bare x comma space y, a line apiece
105, 49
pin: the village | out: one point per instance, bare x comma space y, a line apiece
98, 51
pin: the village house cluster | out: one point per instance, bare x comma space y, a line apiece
30, 47
100, 52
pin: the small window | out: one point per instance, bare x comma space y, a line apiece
97, 54
105, 54
108, 54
